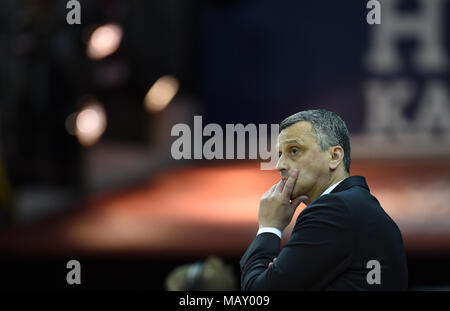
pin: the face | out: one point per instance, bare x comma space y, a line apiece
298, 148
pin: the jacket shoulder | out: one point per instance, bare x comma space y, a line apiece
328, 207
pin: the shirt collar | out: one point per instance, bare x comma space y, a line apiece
331, 188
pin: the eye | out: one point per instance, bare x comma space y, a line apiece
294, 151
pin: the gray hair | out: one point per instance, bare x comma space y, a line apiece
328, 128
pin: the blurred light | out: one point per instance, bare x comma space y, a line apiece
70, 123
161, 93
90, 124
104, 41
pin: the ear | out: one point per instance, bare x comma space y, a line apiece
336, 157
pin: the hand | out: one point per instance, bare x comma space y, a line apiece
272, 262
276, 209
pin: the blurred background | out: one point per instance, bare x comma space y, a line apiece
86, 112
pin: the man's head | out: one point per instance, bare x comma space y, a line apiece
317, 143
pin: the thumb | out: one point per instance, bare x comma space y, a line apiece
296, 202
273, 261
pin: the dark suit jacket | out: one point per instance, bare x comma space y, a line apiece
331, 243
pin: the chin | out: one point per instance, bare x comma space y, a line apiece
296, 193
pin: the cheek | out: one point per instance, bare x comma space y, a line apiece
306, 179
309, 172
317, 164
301, 186
303, 180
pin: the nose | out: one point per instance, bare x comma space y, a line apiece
282, 167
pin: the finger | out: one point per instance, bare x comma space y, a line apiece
273, 261
280, 185
272, 189
289, 186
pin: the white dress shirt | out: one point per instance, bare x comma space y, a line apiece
277, 231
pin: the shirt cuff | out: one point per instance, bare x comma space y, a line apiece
269, 229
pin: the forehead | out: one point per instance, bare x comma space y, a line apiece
301, 131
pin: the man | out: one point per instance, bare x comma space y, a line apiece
343, 239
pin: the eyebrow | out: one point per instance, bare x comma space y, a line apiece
292, 141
